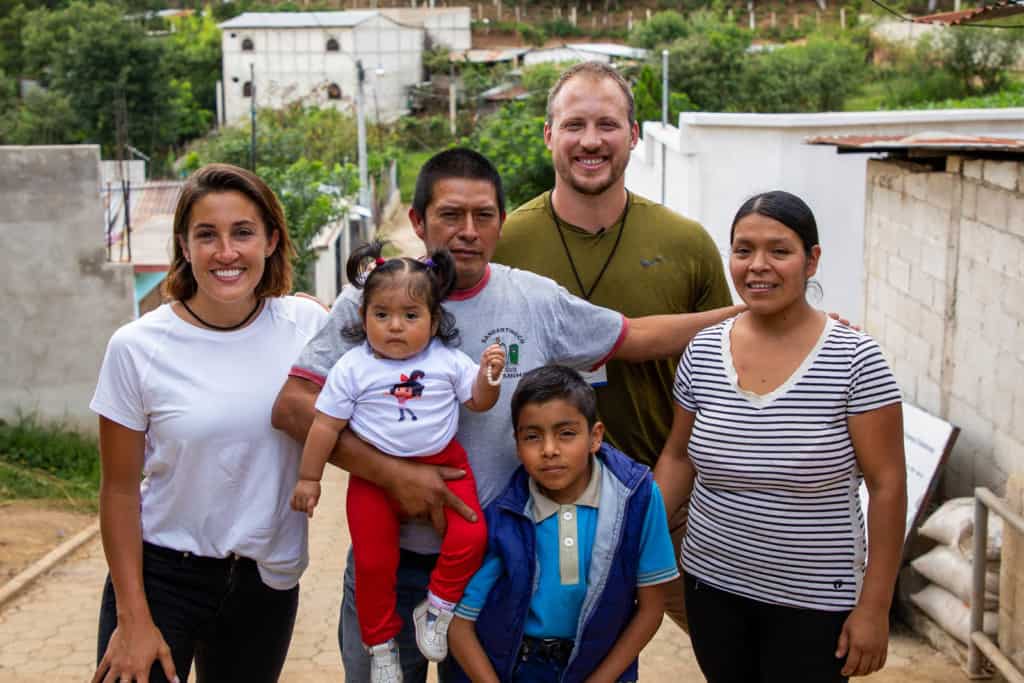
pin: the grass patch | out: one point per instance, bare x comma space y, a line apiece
48, 460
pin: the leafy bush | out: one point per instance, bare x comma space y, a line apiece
561, 28
532, 35
662, 29
707, 64
817, 76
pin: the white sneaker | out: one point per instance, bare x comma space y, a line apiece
432, 630
385, 666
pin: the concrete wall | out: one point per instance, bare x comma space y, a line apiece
294, 64
715, 161
945, 298
62, 300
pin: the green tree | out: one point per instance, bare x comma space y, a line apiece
513, 139
193, 55
707, 64
980, 60
817, 76
663, 28
313, 195
538, 80
42, 118
98, 60
647, 98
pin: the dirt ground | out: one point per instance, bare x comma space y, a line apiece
30, 529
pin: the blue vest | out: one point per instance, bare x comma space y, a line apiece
610, 600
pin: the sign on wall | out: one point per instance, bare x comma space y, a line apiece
927, 442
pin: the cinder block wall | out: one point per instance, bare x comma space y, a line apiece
61, 299
944, 257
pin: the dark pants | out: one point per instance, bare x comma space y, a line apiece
411, 581
739, 640
217, 612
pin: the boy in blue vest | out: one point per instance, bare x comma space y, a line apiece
578, 550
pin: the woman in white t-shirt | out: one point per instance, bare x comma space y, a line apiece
780, 414
205, 556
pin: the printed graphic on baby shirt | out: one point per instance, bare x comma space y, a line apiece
408, 389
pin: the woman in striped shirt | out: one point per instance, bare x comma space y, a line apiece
780, 414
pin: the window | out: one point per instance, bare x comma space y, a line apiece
247, 89
247, 45
332, 45
333, 91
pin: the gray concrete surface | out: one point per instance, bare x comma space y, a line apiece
61, 299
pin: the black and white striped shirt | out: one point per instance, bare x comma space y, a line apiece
775, 514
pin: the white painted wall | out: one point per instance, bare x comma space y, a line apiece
716, 161
293, 63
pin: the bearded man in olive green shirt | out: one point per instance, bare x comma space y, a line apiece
615, 249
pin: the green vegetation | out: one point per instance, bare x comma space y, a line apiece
104, 76
48, 461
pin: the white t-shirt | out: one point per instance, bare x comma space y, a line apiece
217, 477
407, 408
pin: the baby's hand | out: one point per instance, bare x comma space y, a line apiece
492, 361
306, 496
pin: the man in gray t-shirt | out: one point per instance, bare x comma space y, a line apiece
459, 205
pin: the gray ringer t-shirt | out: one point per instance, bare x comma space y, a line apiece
535, 319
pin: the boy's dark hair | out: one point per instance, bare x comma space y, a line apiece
551, 382
458, 162
429, 281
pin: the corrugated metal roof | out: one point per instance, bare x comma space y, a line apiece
506, 92
346, 19
929, 141
997, 10
152, 215
610, 49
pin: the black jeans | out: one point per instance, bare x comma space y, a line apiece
217, 612
739, 640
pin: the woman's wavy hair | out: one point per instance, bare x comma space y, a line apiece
180, 282
429, 281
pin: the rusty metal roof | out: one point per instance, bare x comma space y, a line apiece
997, 10
929, 143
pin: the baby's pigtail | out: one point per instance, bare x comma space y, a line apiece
442, 268
359, 261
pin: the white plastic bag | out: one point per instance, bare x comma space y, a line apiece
946, 610
953, 524
948, 568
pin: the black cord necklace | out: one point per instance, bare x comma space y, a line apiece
223, 328
584, 292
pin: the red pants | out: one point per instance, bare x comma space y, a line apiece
373, 522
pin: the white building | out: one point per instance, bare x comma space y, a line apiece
713, 162
311, 56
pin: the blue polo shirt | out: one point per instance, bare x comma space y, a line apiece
565, 539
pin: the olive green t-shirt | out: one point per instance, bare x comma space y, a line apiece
663, 263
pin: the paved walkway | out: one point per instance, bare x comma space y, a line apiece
48, 634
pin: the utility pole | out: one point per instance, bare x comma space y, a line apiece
664, 121
452, 104
364, 181
252, 118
